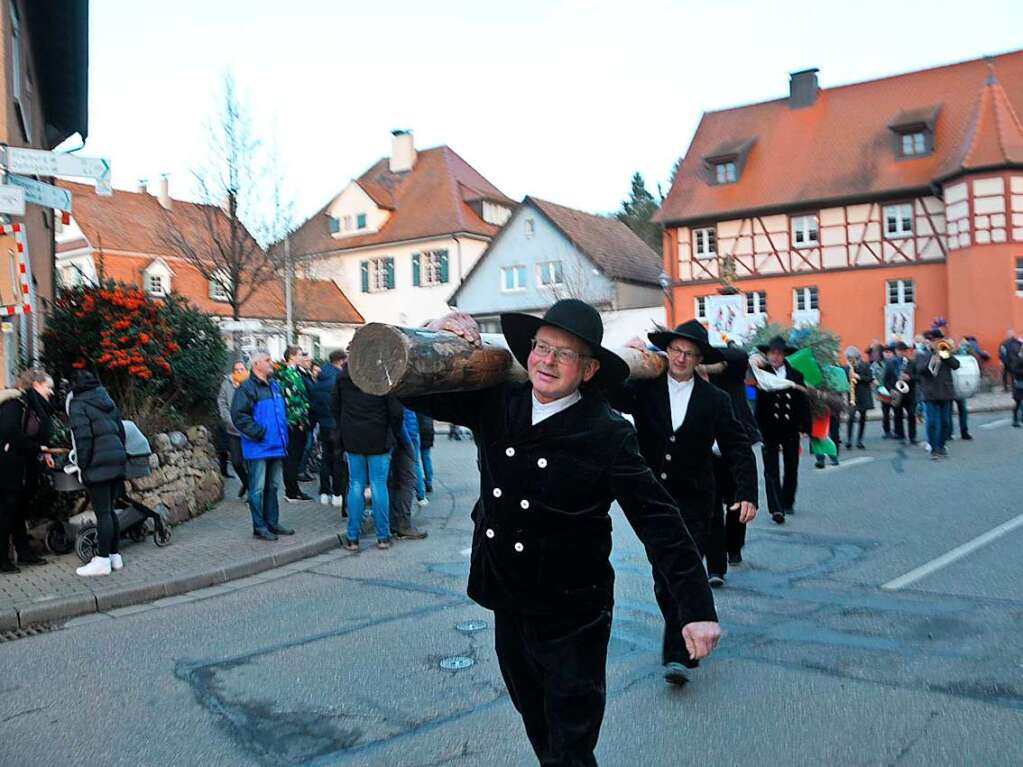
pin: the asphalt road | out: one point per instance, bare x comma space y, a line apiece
336, 660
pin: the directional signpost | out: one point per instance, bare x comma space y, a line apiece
38, 193
39, 162
12, 200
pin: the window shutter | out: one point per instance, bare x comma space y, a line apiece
333, 225
416, 280
364, 270
389, 272
442, 256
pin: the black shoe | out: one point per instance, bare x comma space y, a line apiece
860, 446
242, 491
412, 534
967, 436
734, 559
348, 544
282, 530
716, 581
297, 498
834, 460
778, 518
305, 478
9, 567
819, 464
886, 435
266, 535
848, 445
429, 488
675, 673
1016, 424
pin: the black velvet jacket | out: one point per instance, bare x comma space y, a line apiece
783, 414
542, 537
683, 459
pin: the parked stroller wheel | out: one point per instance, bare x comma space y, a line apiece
162, 535
86, 543
57, 540
137, 533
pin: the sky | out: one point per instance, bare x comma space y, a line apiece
560, 99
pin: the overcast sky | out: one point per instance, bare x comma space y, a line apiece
562, 99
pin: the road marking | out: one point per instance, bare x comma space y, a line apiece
995, 424
954, 555
851, 462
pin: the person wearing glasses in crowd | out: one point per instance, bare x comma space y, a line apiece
681, 419
553, 456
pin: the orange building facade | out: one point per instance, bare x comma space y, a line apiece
870, 209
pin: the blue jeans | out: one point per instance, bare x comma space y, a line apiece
939, 424
420, 475
368, 470
264, 484
427, 455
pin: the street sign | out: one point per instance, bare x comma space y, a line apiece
12, 200
38, 193
38, 162
241, 325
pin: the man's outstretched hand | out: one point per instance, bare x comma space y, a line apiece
701, 638
459, 323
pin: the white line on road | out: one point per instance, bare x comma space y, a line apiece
995, 424
851, 462
955, 554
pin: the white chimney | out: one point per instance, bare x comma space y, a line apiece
403, 151
141, 186
164, 195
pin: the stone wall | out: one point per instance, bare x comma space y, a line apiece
184, 479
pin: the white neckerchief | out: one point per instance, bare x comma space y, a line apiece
781, 372
544, 410
679, 394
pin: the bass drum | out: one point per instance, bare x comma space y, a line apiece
966, 379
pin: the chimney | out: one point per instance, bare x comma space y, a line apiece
803, 88
140, 187
403, 151
164, 195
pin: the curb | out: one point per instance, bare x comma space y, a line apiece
876, 415
63, 608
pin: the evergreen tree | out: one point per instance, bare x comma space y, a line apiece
637, 211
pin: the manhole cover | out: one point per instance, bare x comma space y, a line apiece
456, 663
470, 627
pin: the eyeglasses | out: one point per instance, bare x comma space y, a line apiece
682, 354
561, 354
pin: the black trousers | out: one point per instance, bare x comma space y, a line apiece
234, 448
296, 447
907, 410
855, 415
401, 487
555, 671
834, 433
13, 511
102, 495
781, 493
886, 417
727, 533
333, 467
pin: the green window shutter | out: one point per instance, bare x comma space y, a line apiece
415, 270
442, 256
389, 272
364, 269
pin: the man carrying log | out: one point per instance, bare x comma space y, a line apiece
553, 457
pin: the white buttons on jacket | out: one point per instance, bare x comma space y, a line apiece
497, 492
519, 547
489, 533
510, 452
542, 463
524, 504
663, 475
667, 456
671, 438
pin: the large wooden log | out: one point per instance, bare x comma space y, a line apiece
387, 359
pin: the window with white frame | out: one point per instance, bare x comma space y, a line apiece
1019, 276
756, 302
914, 143
549, 273
530, 227
900, 292
433, 265
218, 288
805, 231
705, 242
156, 284
513, 278
700, 308
898, 220
381, 274
724, 172
804, 299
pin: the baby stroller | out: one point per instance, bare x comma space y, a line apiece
134, 518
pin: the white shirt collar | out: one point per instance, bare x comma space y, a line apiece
679, 394
544, 410
781, 372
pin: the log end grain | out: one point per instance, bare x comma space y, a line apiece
378, 358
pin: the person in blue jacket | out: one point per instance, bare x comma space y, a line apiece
257, 411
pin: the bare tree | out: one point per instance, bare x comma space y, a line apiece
241, 210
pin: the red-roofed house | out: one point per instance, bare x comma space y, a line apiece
122, 237
870, 208
401, 237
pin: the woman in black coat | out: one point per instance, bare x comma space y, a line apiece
98, 437
25, 415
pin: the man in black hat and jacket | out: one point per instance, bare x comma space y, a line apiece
782, 416
900, 369
680, 419
553, 456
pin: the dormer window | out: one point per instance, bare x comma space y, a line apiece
724, 172
914, 131
219, 287
360, 221
914, 143
155, 285
156, 279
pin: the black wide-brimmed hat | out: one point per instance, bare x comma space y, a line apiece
900, 346
575, 317
691, 331
777, 343
934, 334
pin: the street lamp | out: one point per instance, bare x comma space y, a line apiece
664, 279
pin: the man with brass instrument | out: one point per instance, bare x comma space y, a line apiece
900, 381
861, 397
884, 389
935, 374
